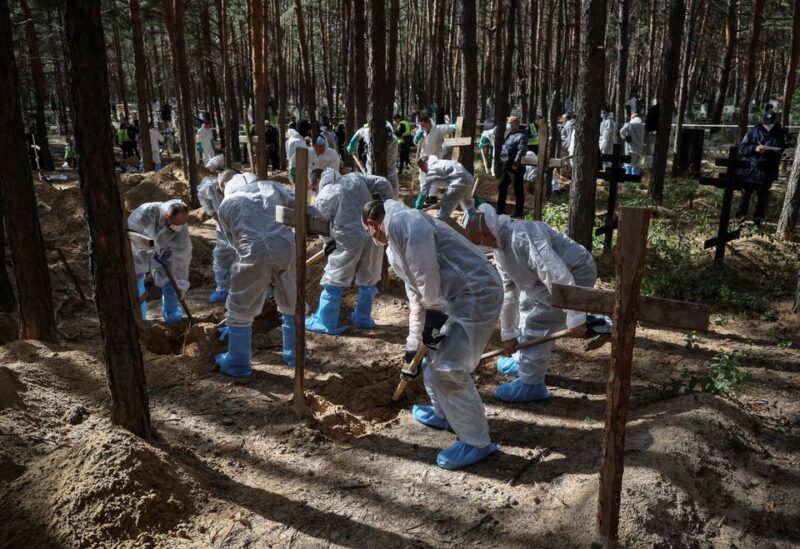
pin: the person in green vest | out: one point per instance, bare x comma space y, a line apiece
402, 129
70, 158
124, 139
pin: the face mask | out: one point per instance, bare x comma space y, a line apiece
508, 126
769, 126
377, 243
176, 228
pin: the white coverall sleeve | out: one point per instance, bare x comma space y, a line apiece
625, 131
204, 195
416, 319
552, 270
419, 251
181, 258
509, 314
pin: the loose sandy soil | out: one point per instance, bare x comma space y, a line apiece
232, 466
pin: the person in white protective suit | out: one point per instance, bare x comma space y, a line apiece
531, 256
211, 192
293, 140
264, 265
352, 255
165, 223
451, 176
633, 134
455, 297
432, 137
204, 141
321, 156
364, 134
487, 142
608, 131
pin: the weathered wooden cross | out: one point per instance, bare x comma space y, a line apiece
543, 165
614, 174
458, 141
627, 307
729, 182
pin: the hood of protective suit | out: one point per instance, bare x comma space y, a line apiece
291, 133
239, 183
329, 175
494, 222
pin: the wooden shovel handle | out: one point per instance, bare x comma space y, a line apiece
413, 367
531, 343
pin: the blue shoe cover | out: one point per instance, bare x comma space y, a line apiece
218, 296
287, 327
425, 415
169, 305
362, 316
517, 391
460, 454
326, 317
236, 362
508, 366
140, 290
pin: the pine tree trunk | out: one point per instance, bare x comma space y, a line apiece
727, 62
233, 153
796, 308
40, 92
8, 303
173, 16
791, 202
257, 39
377, 118
533, 36
207, 54
123, 90
36, 319
310, 94
359, 60
791, 71
140, 66
587, 121
623, 46
500, 90
683, 89
469, 78
391, 62
111, 259
282, 84
666, 98
750, 69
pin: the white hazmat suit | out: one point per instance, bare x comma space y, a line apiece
205, 138
443, 271
293, 140
454, 179
633, 135
391, 152
210, 199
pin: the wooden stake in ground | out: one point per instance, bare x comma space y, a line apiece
301, 208
614, 174
110, 250
627, 308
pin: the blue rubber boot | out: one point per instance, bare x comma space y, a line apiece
140, 290
326, 317
169, 305
517, 391
460, 454
218, 296
508, 366
287, 328
362, 316
637, 170
425, 415
236, 362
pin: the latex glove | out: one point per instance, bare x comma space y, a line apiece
418, 136
420, 202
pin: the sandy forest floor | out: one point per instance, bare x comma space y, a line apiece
233, 467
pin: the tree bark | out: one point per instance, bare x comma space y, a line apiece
40, 92
500, 85
360, 62
683, 89
391, 62
310, 95
257, 39
123, 89
282, 84
233, 153
727, 62
110, 251
469, 78
377, 119
623, 46
791, 202
587, 121
36, 319
8, 303
750, 68
140, 66
791, 73
666, 98
173, 16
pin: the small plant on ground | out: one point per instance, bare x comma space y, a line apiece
726, 375
693, 341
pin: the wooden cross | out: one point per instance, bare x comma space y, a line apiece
627, 307
458, 141
729, 182
614, 174
543, 165
300, 231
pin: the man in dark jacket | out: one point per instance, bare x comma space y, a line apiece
514, 148
762, 148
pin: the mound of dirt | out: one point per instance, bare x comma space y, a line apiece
334, 420
107, 489
157, 187
203, 341
10, 388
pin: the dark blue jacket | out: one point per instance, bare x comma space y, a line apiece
514, 148
763, 166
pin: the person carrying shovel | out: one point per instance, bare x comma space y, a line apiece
531, 256
461, 295
165, 224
